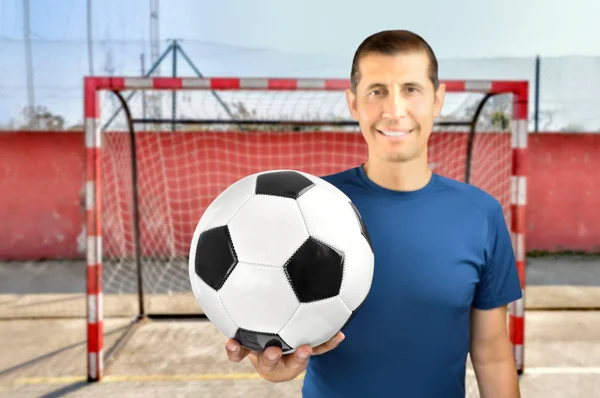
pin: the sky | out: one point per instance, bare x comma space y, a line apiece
459, 28
309, 38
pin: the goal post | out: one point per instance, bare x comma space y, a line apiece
150, 175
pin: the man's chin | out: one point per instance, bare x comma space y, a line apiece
398, 157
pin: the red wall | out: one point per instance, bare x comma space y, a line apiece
563, 210
41, 178
41, 181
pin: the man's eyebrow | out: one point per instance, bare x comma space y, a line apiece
375, 85
406, 84
413, 84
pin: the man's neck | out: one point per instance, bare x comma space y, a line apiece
398, 176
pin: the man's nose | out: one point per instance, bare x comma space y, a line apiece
395, 106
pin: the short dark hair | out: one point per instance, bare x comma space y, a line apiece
392, 42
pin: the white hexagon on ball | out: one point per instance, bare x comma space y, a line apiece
211, 305
227, 203
267, 230
316, 323
329, 217
259, 298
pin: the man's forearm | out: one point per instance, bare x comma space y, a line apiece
497, 379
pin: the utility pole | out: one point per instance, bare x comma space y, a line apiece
28, 62
174, 94
154, 34
144, 105
154, 108
536, 116
89, 37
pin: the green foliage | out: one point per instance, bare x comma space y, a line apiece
573, 127
40, 118
500, 120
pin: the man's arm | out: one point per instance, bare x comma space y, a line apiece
491, 354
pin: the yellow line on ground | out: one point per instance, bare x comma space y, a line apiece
183, 377
254, 376
141, 378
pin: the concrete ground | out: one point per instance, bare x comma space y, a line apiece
46, 358
43, 341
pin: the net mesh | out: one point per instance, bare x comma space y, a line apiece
181, 168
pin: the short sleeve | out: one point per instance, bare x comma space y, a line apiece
499, 284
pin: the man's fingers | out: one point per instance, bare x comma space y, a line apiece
299, 358
267, 361
329, 345
235, 352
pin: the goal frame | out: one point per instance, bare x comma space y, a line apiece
93, 185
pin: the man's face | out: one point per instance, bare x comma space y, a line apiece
395, 105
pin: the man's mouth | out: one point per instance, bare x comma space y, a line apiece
395, 133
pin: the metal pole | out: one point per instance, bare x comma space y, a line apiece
28, 62
143, 91
135, 205
537, 93
174, 97
471, 140
89, 38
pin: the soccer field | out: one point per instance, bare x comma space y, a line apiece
43, 341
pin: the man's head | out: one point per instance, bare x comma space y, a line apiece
395, 94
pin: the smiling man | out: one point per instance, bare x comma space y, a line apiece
444, 263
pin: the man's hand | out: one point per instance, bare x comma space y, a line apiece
271, 365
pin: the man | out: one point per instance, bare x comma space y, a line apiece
444, 265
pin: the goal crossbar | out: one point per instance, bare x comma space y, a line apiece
93, 186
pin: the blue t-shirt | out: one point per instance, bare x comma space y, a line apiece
438, 251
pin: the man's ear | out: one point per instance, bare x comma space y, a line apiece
351, 100
439, 97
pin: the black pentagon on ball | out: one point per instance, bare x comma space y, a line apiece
363, 228
315, 271
260, 341
286, 183
215, 256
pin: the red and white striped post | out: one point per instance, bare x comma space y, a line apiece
518, 205
93, 230
518, 196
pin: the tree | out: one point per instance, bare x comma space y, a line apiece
494, 116
572, 127
40, 118
9, 125
500, 120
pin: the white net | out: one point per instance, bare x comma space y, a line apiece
181, 168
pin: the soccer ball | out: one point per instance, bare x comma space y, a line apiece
280, 258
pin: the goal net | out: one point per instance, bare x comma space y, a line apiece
159, 150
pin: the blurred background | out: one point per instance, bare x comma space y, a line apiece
47, 47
